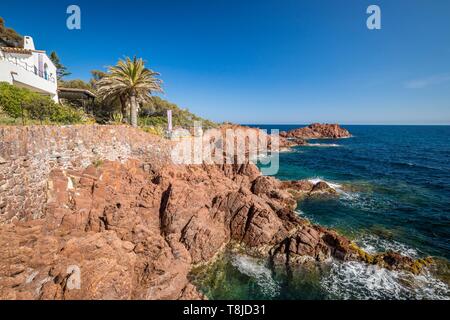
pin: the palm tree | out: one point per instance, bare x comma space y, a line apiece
129, 80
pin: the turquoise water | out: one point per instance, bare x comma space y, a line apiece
394, 193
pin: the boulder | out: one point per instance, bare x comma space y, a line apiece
322, 188
301, 188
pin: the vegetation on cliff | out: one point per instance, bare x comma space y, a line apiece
22, 106
9, 37
153, 113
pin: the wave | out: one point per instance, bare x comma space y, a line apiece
408, 164
334, 185
365, 202
255, 269
352, 197
373, 244
323, 145
356, 280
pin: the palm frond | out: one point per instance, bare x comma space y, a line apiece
130, 76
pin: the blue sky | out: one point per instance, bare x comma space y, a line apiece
270, 62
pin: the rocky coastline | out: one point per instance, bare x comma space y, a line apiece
301, 136
135, 228
317, 131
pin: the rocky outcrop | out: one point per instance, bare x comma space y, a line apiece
134, 229
284, 143
302, 188
317, 131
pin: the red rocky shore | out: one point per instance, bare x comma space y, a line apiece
135, 228
300, 136
317, 131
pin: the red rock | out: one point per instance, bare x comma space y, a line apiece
318, 131
135, 230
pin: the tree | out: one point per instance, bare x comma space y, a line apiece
61, 70
131, 81
76, 84
9, 37
97, 75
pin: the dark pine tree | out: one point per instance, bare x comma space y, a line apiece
61, 70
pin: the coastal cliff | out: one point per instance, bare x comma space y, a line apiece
107, 201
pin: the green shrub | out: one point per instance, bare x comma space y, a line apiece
117, 118
155, 130
153, 121
11, 99
39, 108
66, 115
18, 102
154, 113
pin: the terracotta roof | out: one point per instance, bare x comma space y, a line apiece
16, 50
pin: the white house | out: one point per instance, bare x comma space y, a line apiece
29, 68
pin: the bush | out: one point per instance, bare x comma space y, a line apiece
67, 115
11, 99
18, 102
155, 130
159, 121
39, 108
75, 84
154, 113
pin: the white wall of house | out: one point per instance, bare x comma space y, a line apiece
29, 68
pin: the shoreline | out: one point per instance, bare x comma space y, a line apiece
132, 206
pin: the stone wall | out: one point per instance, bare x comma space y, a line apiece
29, 153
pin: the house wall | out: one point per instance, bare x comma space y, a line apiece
19, 69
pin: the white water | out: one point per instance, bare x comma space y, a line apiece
323, 145
373, 244
335, 186
256, 269
352, 199
355, 280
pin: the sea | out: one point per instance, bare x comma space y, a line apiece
393, 185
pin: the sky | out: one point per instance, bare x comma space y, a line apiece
264, 62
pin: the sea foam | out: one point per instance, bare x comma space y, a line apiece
256, 269
355, 280
335, 186
374, 244
323, 145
